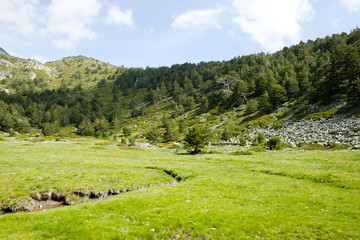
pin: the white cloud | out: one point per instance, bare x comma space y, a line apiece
20, 15
116, 16
271, 23
353, 5
68, 21
198, 19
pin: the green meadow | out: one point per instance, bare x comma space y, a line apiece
266, 195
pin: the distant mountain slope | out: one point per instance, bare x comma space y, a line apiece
3, 52
80, 70
18, 73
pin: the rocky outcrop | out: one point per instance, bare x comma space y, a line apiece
5, 74
3, 52
12, 63
336, 130
31, 75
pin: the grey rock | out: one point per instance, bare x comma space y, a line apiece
5, 74
31, 75
337, 130
3, 52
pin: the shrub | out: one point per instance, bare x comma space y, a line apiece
313, 146
251, 106
12, 132
49, 129
316, 146
153, 135
132, 140
123, 141
98, 134
339, 147
242, 141
259, 139
126, 131
226, 134
273, 143
277, 125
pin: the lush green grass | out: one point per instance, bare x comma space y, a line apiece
271, 195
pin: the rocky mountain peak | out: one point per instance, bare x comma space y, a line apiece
3, 52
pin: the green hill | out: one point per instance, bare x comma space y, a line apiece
80, 70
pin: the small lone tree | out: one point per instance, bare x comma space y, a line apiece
273, 143
196, 139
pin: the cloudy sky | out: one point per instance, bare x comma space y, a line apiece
140, 33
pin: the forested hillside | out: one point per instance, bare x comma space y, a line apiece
98, 99
321, 68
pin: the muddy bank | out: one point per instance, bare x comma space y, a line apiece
53, 199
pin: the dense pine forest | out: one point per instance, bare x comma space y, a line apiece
322, 71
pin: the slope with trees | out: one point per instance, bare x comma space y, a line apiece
100, 100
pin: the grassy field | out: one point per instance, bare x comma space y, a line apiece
267, 195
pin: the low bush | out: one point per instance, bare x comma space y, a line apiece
277, 126
259, 139
339, 147
132, 140
313, 146
285, 145
321, 115
12, 132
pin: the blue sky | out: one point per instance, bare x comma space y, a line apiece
140, 33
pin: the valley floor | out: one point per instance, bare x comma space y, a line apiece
267, 195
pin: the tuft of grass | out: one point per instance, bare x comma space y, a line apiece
97, 147
128, 147
104, 143
257, 122
214, 152
71, 199
322, 115
241, 153
257, 149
